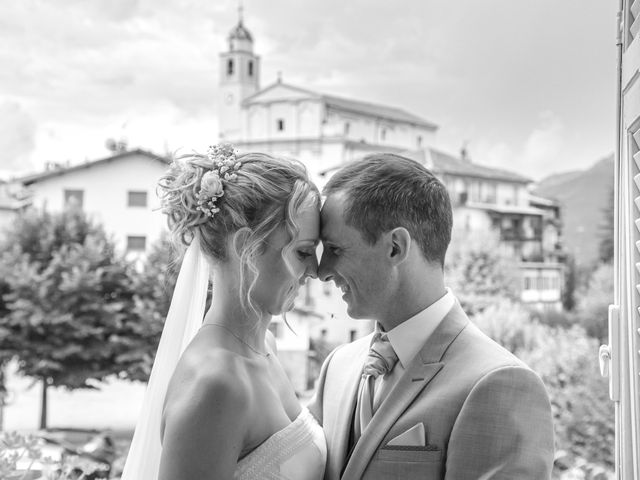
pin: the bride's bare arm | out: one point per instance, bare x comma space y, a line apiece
204, 424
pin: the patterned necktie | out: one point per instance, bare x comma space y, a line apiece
380, 361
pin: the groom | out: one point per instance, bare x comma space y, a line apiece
427, 396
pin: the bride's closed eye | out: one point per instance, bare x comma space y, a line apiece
304, 254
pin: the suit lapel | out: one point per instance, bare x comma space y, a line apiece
345, 402
421, 371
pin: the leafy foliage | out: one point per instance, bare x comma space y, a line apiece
154, 286
72, 311
21, 458
71, 302
569, 290
592, 302
606, 230
479, 273
567, 362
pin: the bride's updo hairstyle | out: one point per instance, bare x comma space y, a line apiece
211, 197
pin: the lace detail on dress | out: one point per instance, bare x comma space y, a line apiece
301, 438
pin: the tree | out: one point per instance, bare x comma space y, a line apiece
569, 290
71, 319
592, 302
565, 360
606, 233
154, 287
480, 274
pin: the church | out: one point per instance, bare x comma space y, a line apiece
323, 131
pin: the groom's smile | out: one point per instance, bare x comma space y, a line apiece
355, 266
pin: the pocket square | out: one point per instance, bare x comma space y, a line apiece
414, 437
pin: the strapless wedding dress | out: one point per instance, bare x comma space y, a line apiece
297, 452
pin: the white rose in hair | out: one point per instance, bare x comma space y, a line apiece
211, 185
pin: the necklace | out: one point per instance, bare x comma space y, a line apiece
237, 337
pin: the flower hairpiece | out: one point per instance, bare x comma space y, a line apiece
224, 165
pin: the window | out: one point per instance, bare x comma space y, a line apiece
419, 141
136, 243
73, 198
136, 199
347, 127
474, 192
229, 67
383, 134
490, 192
250, 68
280, 125
622, 354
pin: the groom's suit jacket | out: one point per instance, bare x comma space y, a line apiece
486, 415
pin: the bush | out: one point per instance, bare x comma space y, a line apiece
593, 302
554, 318
479, 272
567, 362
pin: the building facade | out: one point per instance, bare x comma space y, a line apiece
118, 192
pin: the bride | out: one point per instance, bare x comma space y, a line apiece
218, 404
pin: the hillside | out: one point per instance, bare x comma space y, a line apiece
583, 195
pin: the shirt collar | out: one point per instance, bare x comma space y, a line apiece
408, 338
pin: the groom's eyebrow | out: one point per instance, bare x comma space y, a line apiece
329, 242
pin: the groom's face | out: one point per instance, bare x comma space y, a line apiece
356, 267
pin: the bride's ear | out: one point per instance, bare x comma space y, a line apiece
238, 241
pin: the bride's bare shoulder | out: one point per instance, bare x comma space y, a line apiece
207, 387
204, 423
211, 372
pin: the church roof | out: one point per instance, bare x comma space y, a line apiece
37, 177
240, 32
448, 164
375, 110
443, 163
349, 105
506, 209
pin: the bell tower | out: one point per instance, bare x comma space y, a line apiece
239, 78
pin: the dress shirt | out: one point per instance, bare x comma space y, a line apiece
408, 338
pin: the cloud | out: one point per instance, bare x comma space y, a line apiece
544, 146
543, 150
97, 64
499, 155
18, 136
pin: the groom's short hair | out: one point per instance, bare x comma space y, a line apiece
384, 191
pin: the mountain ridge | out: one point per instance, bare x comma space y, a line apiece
583, 196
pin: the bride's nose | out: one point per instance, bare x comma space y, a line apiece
311, 270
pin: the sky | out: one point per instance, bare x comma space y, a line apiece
525, 85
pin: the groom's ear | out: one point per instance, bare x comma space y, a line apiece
400, 244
